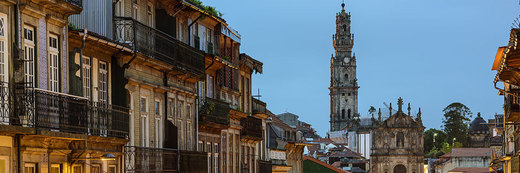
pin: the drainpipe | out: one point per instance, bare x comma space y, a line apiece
18, 46
189, 29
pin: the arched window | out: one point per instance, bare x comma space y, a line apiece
349, 113
344, 27
400, 139
346, 76
342, 113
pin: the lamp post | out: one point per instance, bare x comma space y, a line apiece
434, 135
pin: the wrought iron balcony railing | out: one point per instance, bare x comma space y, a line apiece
214, 111
158, 45
144, 159
78, 3
251, 128
259, 106
512, 106
60, 112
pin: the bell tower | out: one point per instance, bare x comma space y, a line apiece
343, 81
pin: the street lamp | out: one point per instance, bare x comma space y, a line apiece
108, 157
434, 135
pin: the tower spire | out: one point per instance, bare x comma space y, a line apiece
343, 6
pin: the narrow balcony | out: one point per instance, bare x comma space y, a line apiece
145, 159
251, 129
512, 107
158, 45
61, 7
58, 112
259, 107
214, 115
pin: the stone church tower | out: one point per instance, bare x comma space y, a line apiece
343, 81
398, 143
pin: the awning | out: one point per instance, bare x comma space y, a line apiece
498, 57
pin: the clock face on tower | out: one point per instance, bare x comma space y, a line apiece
346, 60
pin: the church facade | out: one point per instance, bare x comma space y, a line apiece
397, 144
343, 83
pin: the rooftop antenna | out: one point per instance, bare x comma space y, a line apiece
258, 94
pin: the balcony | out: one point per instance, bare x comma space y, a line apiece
58, 112
214, 115
251, 129
512, 107
144, 159
259, 107
158, 45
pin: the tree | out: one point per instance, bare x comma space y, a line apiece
371, 111
456, 122
430, 143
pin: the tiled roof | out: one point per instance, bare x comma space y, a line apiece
323, 164
469, 152
470, 170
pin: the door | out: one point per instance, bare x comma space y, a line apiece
400, 169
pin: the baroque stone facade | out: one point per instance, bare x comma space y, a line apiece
397, 145
343, 82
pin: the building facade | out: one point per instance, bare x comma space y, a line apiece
47, 124
397, 144
343, 82
479, 133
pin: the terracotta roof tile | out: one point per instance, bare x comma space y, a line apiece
323, 164
471, 170
470, 152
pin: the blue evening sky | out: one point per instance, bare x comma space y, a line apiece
430, 52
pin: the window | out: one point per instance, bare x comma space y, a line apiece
95, 169
55, 168
217, 161
54, 62
188, 135
209, 83
188, 112
29, 55
29, 168
342, 113
158, 134
86, 77
346, 77
112, 169
149, 13
181, 131
201, 146
179, 109
144, 123
77, 169
144, 130
4, 48
349, 114
143, 104
400, 140
4, 164
170, 109
103, 83
157, 107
